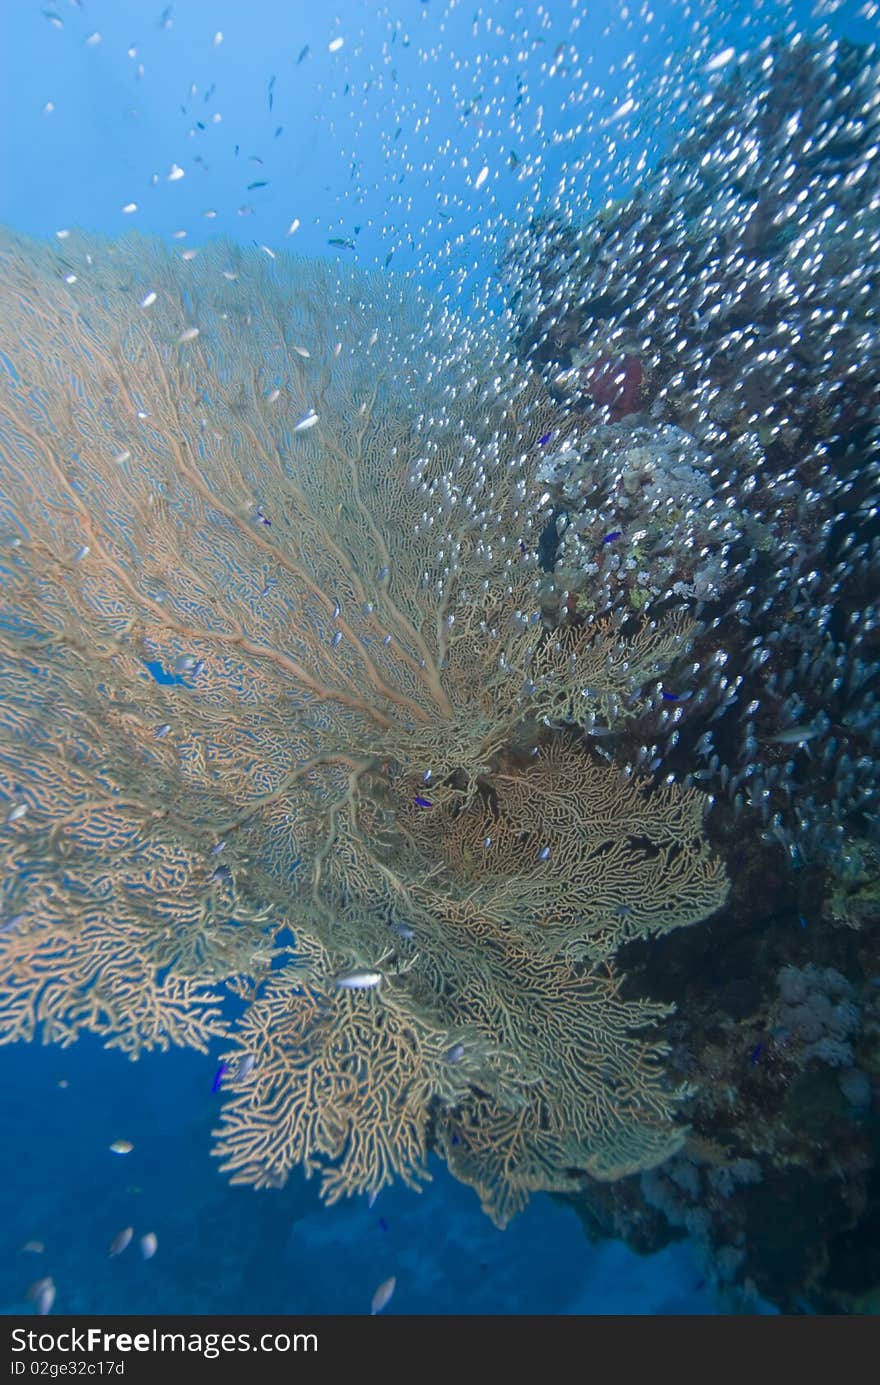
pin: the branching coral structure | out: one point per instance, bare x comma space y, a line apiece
280, 716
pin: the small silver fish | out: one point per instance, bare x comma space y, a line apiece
455, 1054
383, 1295
120, 1241
16, 813
121, 1147
245, 1067
307, 421
359, 981
149, 1244
43, 1294
795, 735
189, 335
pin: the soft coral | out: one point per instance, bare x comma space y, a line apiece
616, 384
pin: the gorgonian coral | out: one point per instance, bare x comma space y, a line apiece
279, 713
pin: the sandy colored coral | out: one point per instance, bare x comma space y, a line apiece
330, 559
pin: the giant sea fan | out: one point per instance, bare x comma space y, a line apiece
318, 515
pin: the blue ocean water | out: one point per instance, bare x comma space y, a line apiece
231, 1250
286, 138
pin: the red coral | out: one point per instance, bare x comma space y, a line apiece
616, 384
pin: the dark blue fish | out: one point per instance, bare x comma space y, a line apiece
802, 921
615, 534
218, 1079
756, 1053
383, 1225
669, 697
545, 438
423, 802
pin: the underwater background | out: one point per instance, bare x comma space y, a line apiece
463, 148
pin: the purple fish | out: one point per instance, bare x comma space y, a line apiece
221, 1073
615, 534
423, 802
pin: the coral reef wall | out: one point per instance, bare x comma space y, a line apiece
716, 335
719, 328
